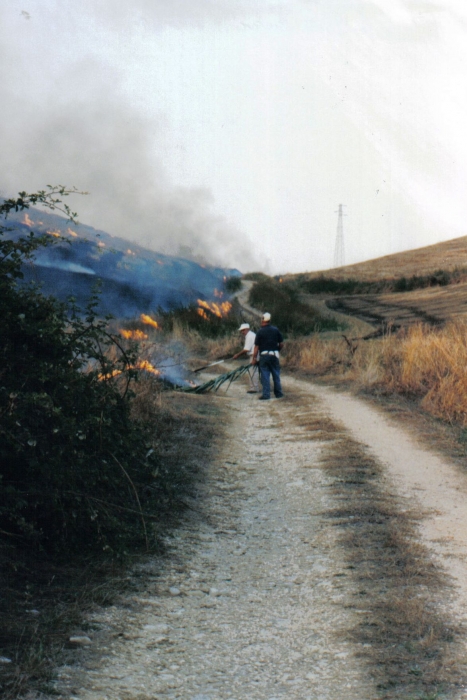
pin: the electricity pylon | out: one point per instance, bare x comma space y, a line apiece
339, 258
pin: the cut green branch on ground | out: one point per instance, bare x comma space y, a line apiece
217, 382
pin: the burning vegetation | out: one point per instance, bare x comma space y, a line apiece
139, 365
65, 425
133, 335
144, 318
112, 464
220, 310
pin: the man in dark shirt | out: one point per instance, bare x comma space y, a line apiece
268, 342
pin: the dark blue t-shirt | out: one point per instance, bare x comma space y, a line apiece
268, 338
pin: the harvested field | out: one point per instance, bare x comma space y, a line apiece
433, 305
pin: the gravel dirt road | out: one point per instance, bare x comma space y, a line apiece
315, 564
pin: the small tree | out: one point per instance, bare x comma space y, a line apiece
233, 284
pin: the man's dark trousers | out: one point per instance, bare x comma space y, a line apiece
269, 365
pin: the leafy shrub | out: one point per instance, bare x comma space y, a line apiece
331, 285
233, 284
256, 276
290, 314
76, 470
440, 278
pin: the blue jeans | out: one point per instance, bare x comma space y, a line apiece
269, 365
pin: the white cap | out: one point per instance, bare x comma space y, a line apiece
266, 317
244, 327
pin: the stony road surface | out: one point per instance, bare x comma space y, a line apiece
254, 601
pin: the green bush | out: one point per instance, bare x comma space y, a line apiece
256, 277
76, 471
330, 285
233, 284
290, 314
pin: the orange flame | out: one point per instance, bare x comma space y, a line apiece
141, 364
202, 313
27, 220
71, 232
109, 375
144, 318
56, 234
101, 244
219, 310
148, 367
133, 335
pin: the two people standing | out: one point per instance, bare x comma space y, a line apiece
268, 343
263, 349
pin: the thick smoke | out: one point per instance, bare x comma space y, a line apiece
67, 267
77, 127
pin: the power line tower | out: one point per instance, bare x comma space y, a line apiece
339, 257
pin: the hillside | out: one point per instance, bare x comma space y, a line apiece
133, 279
420, 261
439, 297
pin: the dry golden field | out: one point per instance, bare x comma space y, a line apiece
432, 305
425, 359
421, 261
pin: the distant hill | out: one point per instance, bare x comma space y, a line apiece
134, 279
434, 304
420, 261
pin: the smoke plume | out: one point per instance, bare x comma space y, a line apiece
73, 124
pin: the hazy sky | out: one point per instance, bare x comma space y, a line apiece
237, 127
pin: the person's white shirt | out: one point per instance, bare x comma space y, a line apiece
250, 343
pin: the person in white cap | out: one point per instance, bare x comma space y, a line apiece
248, 349
268, 342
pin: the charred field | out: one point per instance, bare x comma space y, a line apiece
131, 279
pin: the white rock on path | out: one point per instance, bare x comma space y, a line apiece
80, 641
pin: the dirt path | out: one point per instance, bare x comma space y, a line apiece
298, 575
249, 312
422, 479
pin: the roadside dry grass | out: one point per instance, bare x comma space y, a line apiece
423, 363
402, 633
43, 602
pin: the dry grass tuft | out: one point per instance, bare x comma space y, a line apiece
317, 356
422, 362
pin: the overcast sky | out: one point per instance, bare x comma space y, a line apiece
237, 127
